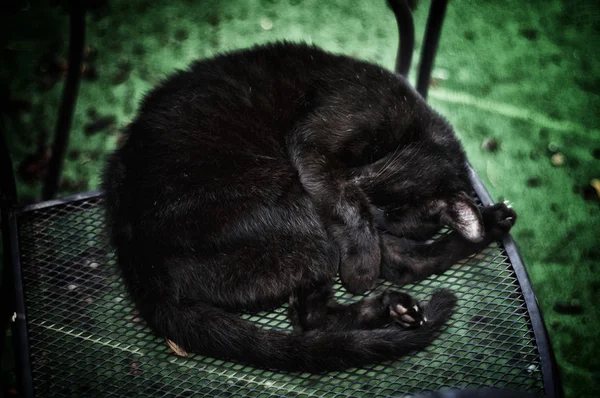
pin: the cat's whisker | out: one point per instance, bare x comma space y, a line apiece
417, 151
392, 171
386, 165
387, 170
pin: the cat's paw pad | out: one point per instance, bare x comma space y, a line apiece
404, 310
498, 220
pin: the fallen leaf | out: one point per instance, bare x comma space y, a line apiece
176, 349
595, 183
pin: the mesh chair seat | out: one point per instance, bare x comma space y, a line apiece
85, 338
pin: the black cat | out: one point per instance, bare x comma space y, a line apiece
255, 177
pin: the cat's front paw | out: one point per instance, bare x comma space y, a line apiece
359, 268
360, 260
404, 310
498, 219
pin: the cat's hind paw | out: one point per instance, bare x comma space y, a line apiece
404, 310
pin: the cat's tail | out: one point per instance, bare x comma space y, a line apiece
210, 331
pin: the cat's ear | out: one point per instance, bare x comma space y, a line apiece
462, 214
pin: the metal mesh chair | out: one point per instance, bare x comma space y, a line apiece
77, 334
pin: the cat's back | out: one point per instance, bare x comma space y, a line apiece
265, 87
217, 130
230, 113
214, 134
236, 105
252, 94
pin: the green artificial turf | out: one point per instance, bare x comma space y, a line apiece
525, 74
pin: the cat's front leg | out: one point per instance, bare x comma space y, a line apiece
358, 240
344, 209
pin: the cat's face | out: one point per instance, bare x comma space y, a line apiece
422, 184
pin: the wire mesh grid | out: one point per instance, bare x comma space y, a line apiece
86, 339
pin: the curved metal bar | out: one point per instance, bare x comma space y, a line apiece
406, 35
11, 284
20, 331
8, 200
63, 200
67, 106
435, 20
550, 375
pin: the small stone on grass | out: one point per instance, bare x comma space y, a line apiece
266, 24
490, 144
558, 159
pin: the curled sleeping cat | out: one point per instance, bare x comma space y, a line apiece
253, 178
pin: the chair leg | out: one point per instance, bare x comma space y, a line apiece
67, 106
406, 33
435, 20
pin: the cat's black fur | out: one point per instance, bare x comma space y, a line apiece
253, 178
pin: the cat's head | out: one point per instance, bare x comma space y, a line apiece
424, 182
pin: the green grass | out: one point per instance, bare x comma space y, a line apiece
523, 73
